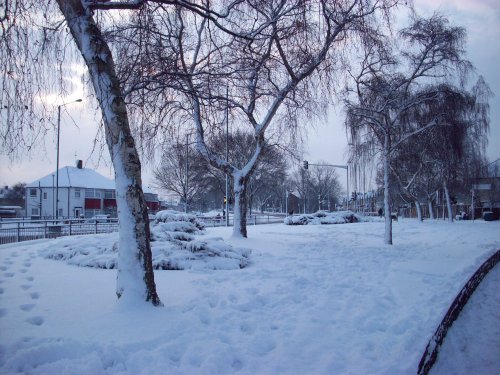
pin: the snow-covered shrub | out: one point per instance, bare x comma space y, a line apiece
176, 245
176, 216
211, 253
322, 217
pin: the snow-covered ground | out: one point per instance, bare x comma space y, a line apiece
323, 299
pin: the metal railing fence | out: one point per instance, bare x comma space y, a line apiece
26, 230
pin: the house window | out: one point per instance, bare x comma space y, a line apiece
35, 212
33, 192
92, 193
77, 193
44, 195
109, 194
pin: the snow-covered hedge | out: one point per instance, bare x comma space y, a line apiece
176, 216
321, 217
176, 245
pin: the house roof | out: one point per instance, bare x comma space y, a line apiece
80, 178
75, 177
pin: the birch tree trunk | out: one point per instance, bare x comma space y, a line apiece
387, 192
419, 210
135, 279
431, 209
240, 205
448, 202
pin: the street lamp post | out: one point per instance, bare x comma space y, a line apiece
57, 157
187, 173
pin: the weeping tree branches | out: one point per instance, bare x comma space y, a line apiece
385, 105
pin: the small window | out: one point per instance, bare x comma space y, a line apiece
33, 192
44, 195
109, 194
35, 212
77, 193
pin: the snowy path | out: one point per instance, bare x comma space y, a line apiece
472, 345
315, 300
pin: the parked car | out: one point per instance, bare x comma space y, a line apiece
99, 219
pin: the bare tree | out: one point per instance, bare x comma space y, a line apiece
387, 90
183, 172
262, 61
325, 186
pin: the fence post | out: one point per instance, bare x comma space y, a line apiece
45, 230
18, 230
70, 226
95, 231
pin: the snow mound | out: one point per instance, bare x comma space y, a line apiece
321, 217
175, 245
176, 216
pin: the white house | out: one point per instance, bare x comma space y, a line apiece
82, 193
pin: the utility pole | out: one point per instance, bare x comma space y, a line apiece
57, 157
227, 155
187, 173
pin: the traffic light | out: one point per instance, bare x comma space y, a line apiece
306, 164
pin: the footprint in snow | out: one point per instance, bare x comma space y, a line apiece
27, 306
3, 312
3, 268
8, 262
36, 320
26, 286
27, 264
9, 274
30, 278
23, 270
34, 295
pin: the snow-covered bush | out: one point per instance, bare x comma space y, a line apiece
176, 216
176, 245
322, 217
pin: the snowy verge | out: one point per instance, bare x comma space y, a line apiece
321, 217
176, 245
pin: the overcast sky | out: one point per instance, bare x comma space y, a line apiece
325, 142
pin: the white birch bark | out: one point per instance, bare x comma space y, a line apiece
431, 209
448, 202
135, 278
419, 211
387, 191
240, 205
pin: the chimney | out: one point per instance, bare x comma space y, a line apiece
79, 164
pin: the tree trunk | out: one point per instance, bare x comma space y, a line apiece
387, 193
240, 205
419, 210
448, 202
135, 279
431, 208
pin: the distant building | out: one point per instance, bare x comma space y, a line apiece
487, 189
82, 193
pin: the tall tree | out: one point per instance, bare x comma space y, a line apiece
387, 91
265, 55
